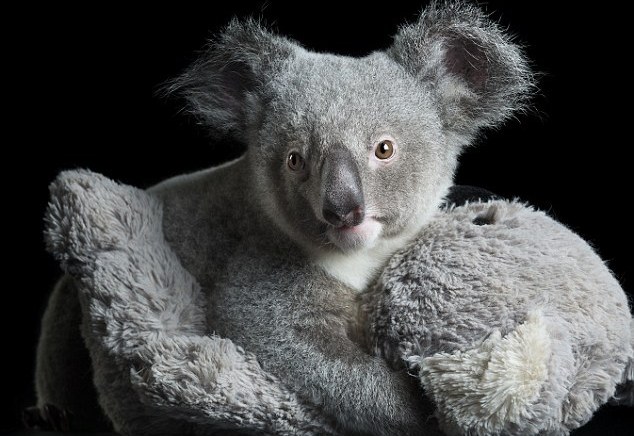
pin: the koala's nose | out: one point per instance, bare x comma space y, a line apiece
342, 193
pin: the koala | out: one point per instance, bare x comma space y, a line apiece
347, 159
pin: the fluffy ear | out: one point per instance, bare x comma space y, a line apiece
479, 77
219, 87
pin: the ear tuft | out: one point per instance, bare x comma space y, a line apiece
218, 86
478, 75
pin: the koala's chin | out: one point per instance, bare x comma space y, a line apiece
362, 236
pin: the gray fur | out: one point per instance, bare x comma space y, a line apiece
445, 77
252, 264
476, 74
450, 305
219, 86
451, 299
280, 98
145, 324
64, 372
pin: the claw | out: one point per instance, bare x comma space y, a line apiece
48, 417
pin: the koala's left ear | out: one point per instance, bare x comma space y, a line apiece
479, 77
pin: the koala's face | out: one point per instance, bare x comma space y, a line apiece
348, 152
345, 158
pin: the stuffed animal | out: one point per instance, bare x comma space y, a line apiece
228, 299
511, 321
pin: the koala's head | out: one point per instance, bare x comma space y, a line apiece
347, 152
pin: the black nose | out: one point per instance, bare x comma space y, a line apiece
342, 193
349, 218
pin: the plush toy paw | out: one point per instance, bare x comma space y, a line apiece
217, 382
89, 214
109, 237
507, 385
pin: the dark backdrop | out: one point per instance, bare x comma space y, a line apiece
82, 95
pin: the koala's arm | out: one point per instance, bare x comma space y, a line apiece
312, 352
359, 390
301, 324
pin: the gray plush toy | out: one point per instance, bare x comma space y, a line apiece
248, 297
512, 322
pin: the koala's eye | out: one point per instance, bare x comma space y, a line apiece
295, 161
384, 149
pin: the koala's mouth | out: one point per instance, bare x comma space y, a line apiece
357, 237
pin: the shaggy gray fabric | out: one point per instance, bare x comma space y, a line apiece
513, 323
156, 367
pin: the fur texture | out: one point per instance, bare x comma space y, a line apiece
446, 77
513, 323
145, 326
499, 349
255, 247
481, 77
313, 123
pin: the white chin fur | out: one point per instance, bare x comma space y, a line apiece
359, 237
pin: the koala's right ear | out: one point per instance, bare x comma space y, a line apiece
219, 87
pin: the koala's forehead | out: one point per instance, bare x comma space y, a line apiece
336, 93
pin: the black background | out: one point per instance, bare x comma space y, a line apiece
81, 94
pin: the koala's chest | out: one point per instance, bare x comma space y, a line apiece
356, 270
